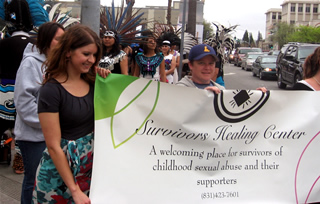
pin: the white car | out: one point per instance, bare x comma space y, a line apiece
248, 60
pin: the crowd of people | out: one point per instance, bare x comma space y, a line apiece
54, 89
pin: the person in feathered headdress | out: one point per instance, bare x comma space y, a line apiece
150, 63
116, 31
165, 41
221, 41
113, 58
19, 22
20, 17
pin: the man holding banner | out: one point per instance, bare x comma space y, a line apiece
202, 60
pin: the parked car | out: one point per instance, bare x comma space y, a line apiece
282, 51
265, 67
248, 60
290, 65
231, 57
240, 53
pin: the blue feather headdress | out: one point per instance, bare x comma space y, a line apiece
38, 13
22, 14
110, 19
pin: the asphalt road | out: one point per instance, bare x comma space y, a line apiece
237, 78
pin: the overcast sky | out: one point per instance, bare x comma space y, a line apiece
248, 14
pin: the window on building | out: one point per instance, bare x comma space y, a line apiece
300, 8
308, 9
315, 9
279, 16
274, 16
292, 22
293, 9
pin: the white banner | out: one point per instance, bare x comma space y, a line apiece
161, 143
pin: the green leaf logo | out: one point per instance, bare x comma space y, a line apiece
110, 103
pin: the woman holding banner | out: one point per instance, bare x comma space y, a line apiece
66, 116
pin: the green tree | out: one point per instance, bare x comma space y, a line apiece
207, 29
245, 37
305, 34
251, 41
281, 33
259, 38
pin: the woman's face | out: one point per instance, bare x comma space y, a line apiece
108, 41
151, 44
56, 39
165, 49
82, 59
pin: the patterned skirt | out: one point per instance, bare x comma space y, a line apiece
49, 186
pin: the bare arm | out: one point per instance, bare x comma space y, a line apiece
178, 61
52, 133
162, 71
136, 70
124, 65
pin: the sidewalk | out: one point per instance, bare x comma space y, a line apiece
10, 184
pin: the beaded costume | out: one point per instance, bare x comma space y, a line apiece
149, 65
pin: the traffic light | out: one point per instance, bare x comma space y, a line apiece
270, 46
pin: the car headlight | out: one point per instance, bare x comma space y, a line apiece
267, 69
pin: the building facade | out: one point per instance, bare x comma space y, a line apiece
296, 12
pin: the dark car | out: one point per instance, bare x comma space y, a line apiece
248, 59
290, 65
241, 52
265, 67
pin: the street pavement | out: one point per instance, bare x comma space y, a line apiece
10, 184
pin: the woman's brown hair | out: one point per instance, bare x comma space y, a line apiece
311, 64
75, 37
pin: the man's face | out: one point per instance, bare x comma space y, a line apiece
203, 69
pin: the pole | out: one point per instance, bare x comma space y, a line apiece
90, 14
182, 37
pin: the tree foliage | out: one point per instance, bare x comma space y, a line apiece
282, 33
207, 29
251, 41
305, 34
245, 36
259, 37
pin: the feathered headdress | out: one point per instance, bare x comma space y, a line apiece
168, 32
22, 14
55, 15
222, 39
110, 19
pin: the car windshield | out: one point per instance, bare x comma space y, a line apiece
250, 56
256, 50
304, 52
245, 51
268, 60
